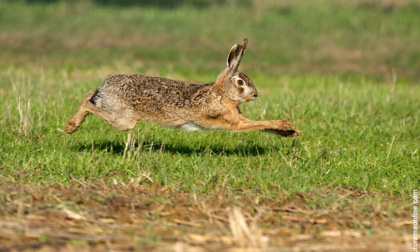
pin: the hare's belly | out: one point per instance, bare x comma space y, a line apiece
191, 127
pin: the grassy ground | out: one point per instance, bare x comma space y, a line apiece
346, 73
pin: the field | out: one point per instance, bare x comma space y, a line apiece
346, 73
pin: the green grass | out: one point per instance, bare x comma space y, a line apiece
348, 128
359, 130
317, 36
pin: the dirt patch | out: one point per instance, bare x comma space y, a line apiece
154, 218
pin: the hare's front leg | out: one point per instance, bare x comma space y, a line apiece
234, 120
280, 127
248, 124
284, 133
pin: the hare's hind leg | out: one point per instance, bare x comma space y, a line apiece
120, 118
74, 121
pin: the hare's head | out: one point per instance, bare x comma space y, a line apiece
234, 84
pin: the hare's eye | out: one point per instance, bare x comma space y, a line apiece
240, 82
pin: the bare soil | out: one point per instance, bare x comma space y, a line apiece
150, 217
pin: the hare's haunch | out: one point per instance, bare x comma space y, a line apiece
122, 100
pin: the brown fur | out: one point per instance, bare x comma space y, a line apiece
122, 100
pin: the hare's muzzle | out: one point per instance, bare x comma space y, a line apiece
254, 95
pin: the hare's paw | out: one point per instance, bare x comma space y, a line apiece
291, 133
284, 133
70, 126
283, 125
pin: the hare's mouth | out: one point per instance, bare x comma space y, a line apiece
249, 98
253, 97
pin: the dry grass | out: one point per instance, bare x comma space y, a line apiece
138, 217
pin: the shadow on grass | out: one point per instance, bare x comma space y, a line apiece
243, 149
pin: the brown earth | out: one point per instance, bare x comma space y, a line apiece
139, 217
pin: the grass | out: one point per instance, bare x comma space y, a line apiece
355, 100
357, 37
347, 139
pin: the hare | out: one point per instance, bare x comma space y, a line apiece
122, 100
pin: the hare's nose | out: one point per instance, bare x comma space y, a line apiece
255, 95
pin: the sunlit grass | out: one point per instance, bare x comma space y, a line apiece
356, 133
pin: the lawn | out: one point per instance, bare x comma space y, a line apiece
344, 72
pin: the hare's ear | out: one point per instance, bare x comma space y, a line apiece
235, 55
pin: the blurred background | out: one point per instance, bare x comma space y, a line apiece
378, 38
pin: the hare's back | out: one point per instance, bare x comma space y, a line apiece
137, 83
140, 91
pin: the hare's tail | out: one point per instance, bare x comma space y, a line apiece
74, 121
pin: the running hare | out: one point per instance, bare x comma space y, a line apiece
122, 100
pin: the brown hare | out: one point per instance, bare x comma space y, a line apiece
122, 100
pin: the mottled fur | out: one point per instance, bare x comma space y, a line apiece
122, 100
